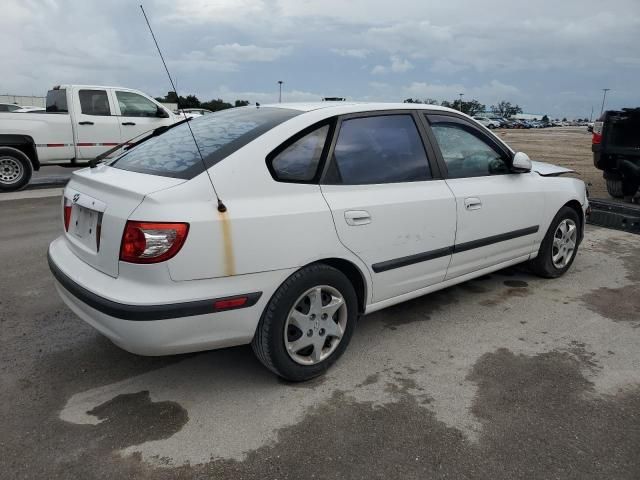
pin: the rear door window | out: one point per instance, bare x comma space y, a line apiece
94, 102
174, 153
378, 149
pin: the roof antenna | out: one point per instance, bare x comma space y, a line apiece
221, 206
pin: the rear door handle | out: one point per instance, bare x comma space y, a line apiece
86, 122
472, 203
128, 123
357, 217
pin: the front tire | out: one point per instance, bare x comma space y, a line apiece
307, 324
559, 246
15, 169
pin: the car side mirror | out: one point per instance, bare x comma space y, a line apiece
161, 113
521, 163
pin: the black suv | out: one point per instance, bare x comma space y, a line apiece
616, 150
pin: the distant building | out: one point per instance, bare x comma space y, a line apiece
24, 101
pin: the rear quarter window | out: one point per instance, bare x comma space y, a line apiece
174, 153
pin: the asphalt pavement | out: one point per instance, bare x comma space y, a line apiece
50, 176
508, 376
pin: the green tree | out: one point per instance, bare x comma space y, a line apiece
545, 119
241, 103
505, 109
216, 104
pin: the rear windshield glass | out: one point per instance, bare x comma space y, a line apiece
174, 153
57, 101
623, 129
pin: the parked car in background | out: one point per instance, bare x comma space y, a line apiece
312, 199
9, 107
194, 112
616, 150
487, 122
80, 123
29, 109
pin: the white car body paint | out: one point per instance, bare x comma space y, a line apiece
272, 228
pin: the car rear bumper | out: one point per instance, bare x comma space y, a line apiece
187, 323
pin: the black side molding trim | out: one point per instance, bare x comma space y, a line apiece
144, 312
443, 252
483, 242
411, 259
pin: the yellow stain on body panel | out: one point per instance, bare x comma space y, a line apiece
227, 244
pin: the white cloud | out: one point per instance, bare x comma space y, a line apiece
248, 53
351, 52
400, 65
397, 65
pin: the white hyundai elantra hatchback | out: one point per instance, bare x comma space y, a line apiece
287, 222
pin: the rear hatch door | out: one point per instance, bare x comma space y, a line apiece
102, 199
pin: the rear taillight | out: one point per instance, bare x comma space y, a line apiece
597, 133
66, 213
150, 242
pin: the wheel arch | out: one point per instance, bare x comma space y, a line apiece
25, 144
355, 276
575, 205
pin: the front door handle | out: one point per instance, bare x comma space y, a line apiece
86, 122
128, 123
357, 217
472, 203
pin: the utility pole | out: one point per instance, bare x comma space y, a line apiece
461, 95
604, 96
280, 82
591, 116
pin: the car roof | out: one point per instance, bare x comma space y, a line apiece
355, 107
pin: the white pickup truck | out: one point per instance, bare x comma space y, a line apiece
79, 123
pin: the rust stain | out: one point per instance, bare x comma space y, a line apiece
227, 244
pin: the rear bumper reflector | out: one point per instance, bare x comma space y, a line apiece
151, 312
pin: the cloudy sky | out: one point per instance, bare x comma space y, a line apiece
550, 56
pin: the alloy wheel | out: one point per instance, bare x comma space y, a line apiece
315, 325
564, 243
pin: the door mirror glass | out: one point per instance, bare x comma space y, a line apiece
162, 113
521, 162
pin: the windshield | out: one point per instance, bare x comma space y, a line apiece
174, 153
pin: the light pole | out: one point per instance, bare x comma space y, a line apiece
461, 95
604, 96
280, 82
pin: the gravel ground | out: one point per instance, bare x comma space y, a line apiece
508, 376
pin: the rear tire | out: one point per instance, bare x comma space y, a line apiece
307, 300
614, 187
15, 169
559, 246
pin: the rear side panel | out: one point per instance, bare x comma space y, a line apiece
103, 198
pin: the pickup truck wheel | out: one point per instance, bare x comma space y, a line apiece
559, 246
614, 187
307, 324
15, 169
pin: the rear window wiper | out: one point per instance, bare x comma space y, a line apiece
128, 144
